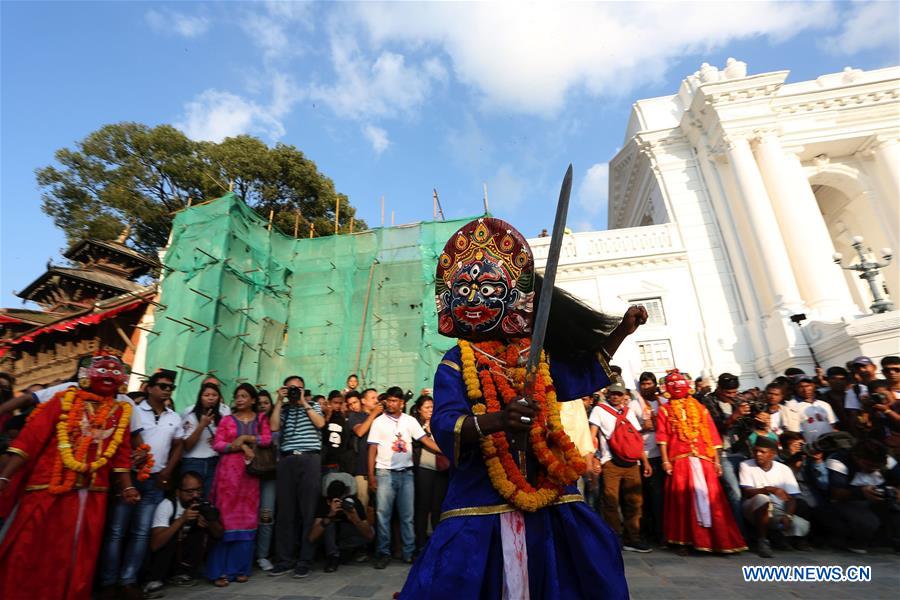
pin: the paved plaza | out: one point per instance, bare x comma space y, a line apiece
659, 575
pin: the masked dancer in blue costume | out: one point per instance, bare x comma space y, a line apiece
504, 533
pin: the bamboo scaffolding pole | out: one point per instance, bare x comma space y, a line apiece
337, 214
362, 327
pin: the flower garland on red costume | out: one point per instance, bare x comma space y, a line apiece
491, 387
73, 445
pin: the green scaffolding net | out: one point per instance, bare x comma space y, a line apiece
247, 304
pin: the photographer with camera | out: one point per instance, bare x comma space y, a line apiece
299, 475
863, 483
340, 523
182, 530
880, 417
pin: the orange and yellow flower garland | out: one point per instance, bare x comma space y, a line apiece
73, 462
143, 473
686, 418
488, 381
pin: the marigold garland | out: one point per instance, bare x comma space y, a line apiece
491, 387
76, 406
685, 418
143, 473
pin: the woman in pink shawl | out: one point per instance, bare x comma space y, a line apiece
235, 493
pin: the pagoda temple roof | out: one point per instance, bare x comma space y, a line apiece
128, 259
83, 277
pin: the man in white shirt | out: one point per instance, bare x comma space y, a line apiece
391, 473
620, 473
160, 428
807, 415
768, 488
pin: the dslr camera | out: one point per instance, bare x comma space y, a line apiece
348, 504
206, 510
294, 393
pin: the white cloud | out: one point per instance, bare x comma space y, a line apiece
378, 137
381, 85
591, 198
278, 27
214, 114
866, 26
173, 22
530, 57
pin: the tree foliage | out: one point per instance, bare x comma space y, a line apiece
131, 174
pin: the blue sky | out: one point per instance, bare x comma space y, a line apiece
389, 99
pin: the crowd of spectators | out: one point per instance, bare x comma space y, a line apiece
808, 459
283, 480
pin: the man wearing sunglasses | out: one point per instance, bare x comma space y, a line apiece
890, 368
160, 428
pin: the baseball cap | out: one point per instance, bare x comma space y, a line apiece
801, 378
861, 360
615, 388
727, 381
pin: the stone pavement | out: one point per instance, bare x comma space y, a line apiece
659, 575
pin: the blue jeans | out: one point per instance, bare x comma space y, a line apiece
395, 485
731, 464
266, 517
125, 519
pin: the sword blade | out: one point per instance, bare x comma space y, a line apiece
519, 442
546, 297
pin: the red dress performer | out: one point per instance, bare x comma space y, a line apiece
74, 444
696, 512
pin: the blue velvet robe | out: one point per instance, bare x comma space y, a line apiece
572, 553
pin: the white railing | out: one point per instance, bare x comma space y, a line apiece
592, 246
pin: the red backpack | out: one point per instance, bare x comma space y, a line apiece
625, 442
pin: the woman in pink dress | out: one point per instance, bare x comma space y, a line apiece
235, 493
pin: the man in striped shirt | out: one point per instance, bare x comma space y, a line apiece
299, 475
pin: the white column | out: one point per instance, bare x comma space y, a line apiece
887, 162
820, 281
765, 228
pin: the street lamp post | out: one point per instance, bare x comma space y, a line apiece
869, 270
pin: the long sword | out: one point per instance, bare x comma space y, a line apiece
520, 440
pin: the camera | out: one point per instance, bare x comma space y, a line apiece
890, 496
294, 393
872, 399
347, 504
206, 510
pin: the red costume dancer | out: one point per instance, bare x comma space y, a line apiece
74, 444
696, 511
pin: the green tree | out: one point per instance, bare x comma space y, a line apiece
130, 174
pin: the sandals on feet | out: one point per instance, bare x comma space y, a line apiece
221, 582
241, 579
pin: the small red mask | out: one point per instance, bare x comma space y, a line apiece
676, 385
106, 375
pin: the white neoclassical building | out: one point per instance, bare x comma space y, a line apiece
727, 203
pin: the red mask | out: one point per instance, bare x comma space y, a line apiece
677, 387
106, 375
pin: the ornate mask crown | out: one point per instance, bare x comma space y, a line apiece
484, 287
